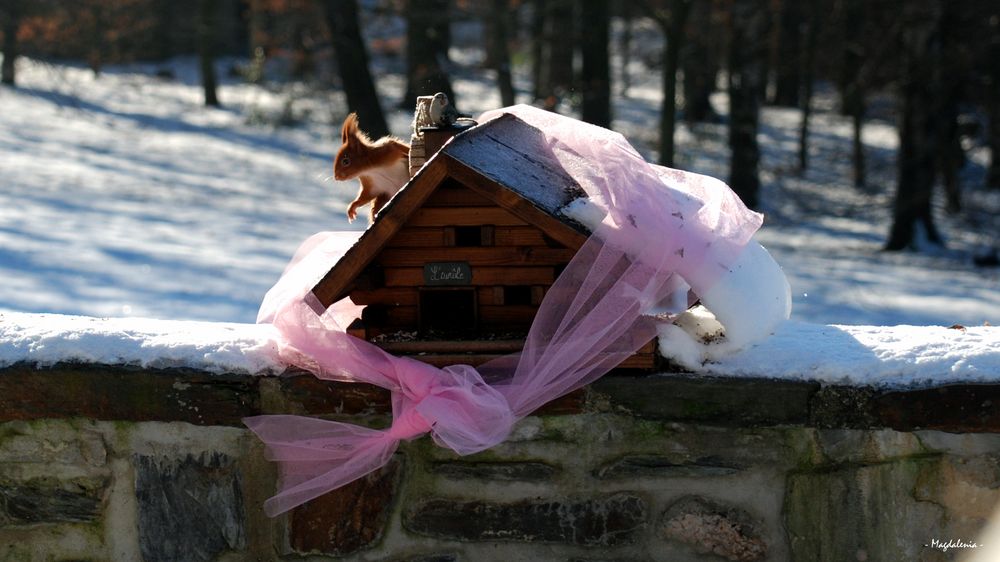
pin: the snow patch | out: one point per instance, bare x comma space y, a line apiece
47, 339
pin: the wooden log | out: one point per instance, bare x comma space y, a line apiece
644, 362
463, 216
520, 236
507, 315
428, 237
481, 276
418, 238
457, 197
494, 256
393, 296
452, 346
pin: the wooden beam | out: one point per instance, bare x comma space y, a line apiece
475, 256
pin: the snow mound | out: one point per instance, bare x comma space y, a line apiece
47, 339
744, 307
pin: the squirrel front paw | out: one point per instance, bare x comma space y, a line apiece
352, 213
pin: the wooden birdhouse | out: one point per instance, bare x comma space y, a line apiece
454, 267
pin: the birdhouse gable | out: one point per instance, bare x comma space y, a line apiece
460, 259
488, 188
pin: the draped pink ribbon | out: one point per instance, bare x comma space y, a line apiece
664, 231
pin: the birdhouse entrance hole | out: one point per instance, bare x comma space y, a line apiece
448, 311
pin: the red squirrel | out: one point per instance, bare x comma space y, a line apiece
382, 166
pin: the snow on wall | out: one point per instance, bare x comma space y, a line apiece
881, 356
894, 356
215, 347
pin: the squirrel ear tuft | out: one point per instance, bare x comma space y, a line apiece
350, 127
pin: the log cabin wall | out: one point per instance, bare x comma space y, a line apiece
460, 262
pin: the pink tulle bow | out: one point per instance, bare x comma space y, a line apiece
453, 404
663, 231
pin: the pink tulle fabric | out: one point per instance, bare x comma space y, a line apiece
663, 231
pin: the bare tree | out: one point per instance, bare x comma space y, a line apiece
10, 16
595, 74
428, 38
352, 63
788, 48
699, 66
208, 24
991, 63
921, 58
811, 31
554, 52
672, 22
853, 19
747, 54
498, 52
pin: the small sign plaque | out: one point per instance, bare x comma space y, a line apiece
447, 273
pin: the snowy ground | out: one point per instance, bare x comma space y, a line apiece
121, 196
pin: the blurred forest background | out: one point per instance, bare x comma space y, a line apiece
931, 66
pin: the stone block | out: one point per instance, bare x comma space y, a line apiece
843, 407
496, 471
51, 501
710, 527
716, 401
598, 521
348, 519
308, 395
190, 509
659, 466
954, 408
103, 392
52, 443
865, 512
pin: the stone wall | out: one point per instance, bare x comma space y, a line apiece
112, 463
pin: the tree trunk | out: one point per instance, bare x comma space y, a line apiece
918, 132
98, 44
625, 47
595, 75
993, 173
428, 38
163, 31
11, 24
303, 63
556, 71
208, 25
352, 63
538, 12
746, 60
993, 101
851, 81
788, 62
858, 147
674, 33
808, 60
699, 69
499, 55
